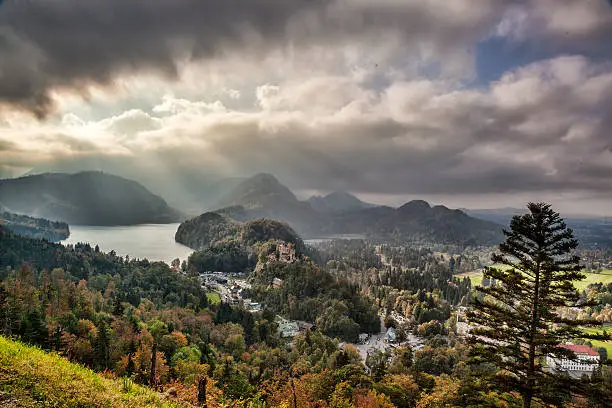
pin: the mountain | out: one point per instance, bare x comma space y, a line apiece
498, 215
417, 221
256, 192
37, 228
263, 196
337, 201
196, 196
87, 198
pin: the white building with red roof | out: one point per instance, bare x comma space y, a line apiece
586, 362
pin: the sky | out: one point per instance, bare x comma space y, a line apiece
469, 103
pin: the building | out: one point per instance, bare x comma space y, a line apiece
391, 335
288, 328
586, 362
277, 283
286, 252
305, 325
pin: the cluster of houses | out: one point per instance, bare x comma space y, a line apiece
231, 290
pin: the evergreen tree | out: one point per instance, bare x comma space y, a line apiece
515, 321
102, 347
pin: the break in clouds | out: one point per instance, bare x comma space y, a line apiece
379, 97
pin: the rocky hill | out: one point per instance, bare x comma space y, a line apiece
87, 198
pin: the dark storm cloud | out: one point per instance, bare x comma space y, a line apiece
50, 44
68, 44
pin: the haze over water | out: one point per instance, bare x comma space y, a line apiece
152, 241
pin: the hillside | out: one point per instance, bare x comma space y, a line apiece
38, 228
87, 198
29, 377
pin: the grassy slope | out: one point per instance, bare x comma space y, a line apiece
34, 378
605, 344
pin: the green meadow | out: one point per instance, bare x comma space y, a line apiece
604, 276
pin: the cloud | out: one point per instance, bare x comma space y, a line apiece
540, 129
561, 20
69, 45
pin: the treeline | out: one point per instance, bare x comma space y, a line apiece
344, 254
415, 282
132, 280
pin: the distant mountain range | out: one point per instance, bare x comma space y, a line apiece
591, 231
87, 198
263, 196
338, 201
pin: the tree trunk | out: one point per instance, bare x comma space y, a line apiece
294, 396
202, 392
527, 399
153, 364
529, 384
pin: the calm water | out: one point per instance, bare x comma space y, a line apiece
152, 241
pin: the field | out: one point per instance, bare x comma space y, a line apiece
213, 298
29, 377
475, 277
604, 276
605, 344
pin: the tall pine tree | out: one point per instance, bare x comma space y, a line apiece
515, 321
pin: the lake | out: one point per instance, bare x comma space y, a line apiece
152, 241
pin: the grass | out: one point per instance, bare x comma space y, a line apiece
475, 277
604, 276
213, 298
596, 343
30, 377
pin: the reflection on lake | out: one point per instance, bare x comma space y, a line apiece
152, 241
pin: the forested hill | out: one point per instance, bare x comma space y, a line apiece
34, 227
87, 198
213, 229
